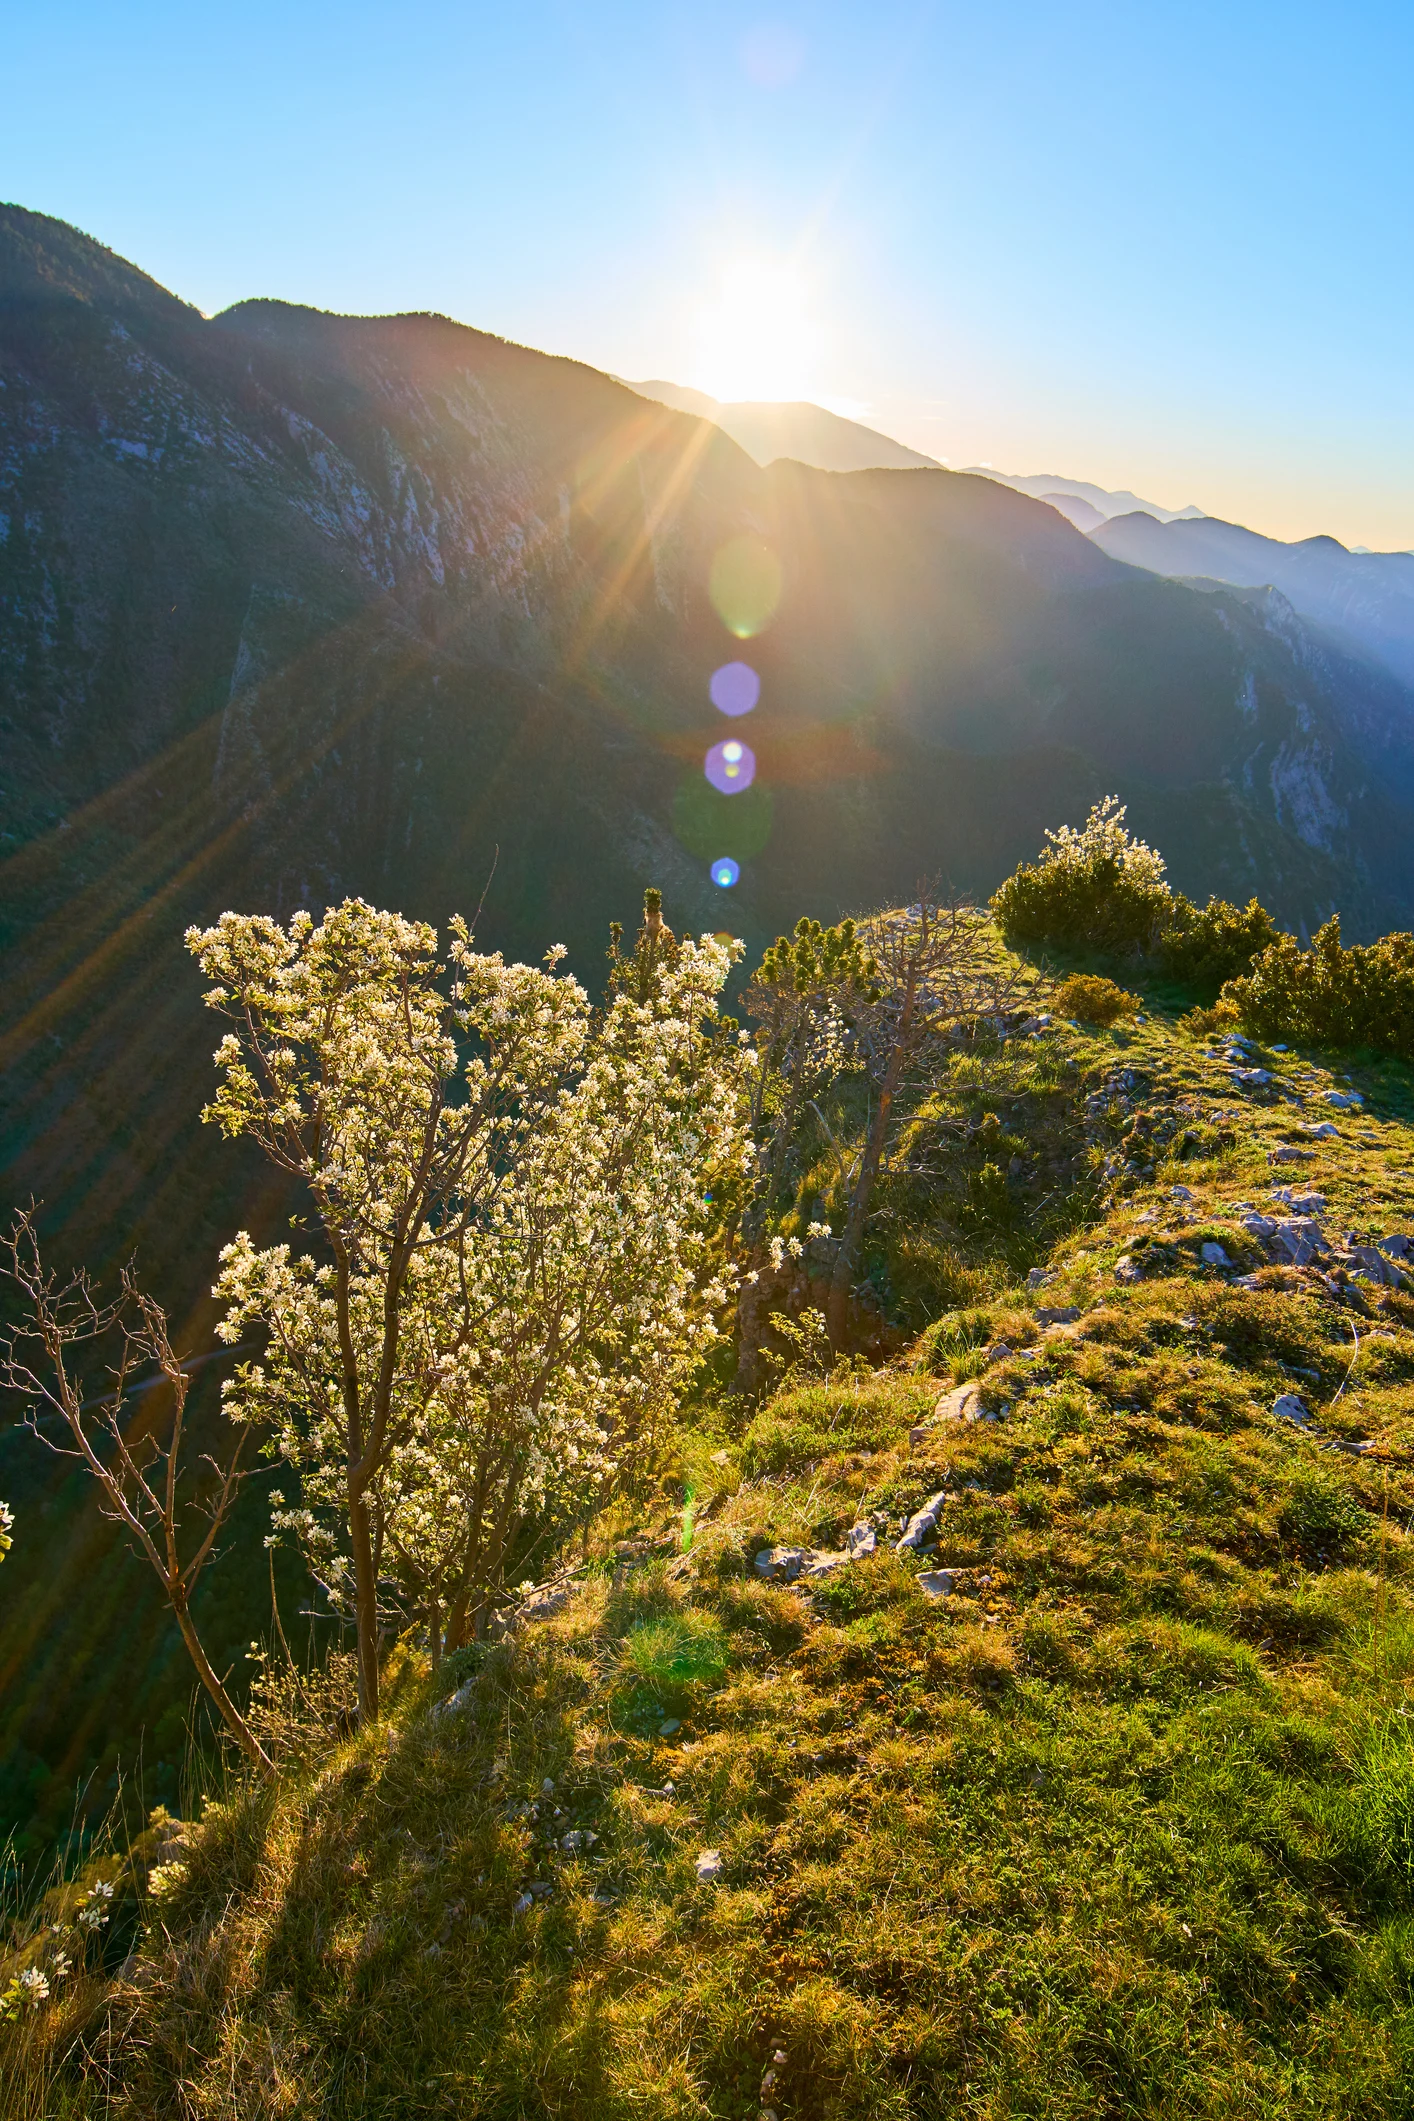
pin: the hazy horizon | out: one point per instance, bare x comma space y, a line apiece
1160, 255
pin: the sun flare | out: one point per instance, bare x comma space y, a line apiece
756, 340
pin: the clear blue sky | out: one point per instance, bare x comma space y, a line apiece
1163, 245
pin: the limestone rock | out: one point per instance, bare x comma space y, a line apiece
822, 1564
963, 1403
709, 1866
1298, 1240
774, 1563
861, 1539
921, 1523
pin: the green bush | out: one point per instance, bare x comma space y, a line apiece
1094, 1000
1097, 889
1204, 946
1331, 996
1102, 889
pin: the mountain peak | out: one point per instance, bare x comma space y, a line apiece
807, 433
41, 259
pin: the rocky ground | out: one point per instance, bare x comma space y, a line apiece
1018, 1729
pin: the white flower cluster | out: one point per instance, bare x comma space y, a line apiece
93, 1915
550, 1303
1104, 837
34, 1984
7, 1526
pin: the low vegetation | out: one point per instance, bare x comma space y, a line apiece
1356, 998
1095, 1000
1001, 1708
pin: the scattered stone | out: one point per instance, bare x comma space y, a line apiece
1288, 1153
1057, 1315
861, 1539
1303, 1203
1298, 1239
709, 1866
998, 1352
775, 1562
1213, 1255
921, 1523
1258, 1225
1343, 1100
1128, 1270
820, 1564
1038, 1277
1252, 1078
522, 1904
575, 1842
1182, 1193
963, 1403
1246, 1281
1322, 1131
935, 1583
1291, 1407
1370, 1260
536, 1605
669, 1727
1396, 1246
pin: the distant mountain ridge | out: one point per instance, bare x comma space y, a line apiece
1367, 598
1046, 485
806, 433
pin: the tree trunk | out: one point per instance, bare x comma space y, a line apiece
231, 1716
365, 1609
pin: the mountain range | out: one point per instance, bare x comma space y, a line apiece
1365, 599
294, 605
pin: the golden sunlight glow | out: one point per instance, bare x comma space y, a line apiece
757, 340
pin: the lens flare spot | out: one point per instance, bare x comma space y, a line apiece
730, 767
725, 871
735, 688
745, 586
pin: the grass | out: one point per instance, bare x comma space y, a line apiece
1122, 1826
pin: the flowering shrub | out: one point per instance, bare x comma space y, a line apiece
518, 1282
1331, 996
7, 1526
1099, 889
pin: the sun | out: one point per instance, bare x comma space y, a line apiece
756, 339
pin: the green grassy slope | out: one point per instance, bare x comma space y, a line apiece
1123, 1824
